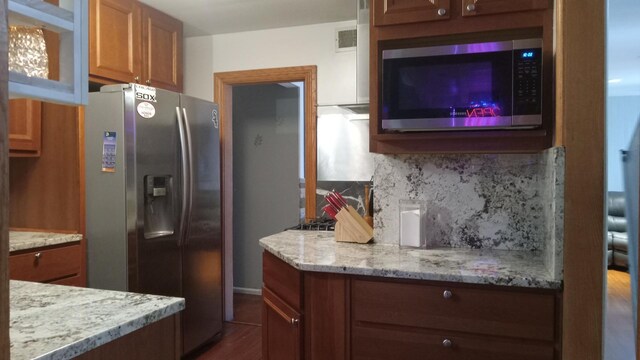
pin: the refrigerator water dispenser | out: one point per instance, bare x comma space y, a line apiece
158, 206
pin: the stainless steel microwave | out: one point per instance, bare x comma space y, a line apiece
492, 85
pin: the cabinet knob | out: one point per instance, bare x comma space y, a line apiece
148, 82
442, 12
447, 294
471, 7
137, 79
295, 321
447, 343
37, 256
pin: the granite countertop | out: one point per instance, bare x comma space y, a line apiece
318, 251
25, 240
61, 322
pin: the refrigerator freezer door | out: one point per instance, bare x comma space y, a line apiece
154, 261
202, 256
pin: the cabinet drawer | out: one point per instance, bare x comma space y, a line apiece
394, 12
75, 280
46, 265
409, 344
283, 280
490, 7
509, 313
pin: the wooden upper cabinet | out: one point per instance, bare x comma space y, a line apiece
162, 50
488, 7
394, 12
115, 40
25, 118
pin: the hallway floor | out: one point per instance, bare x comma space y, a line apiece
618, 335
242, 338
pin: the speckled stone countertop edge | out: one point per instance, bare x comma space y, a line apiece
85, 345
27, 240
56, 322
483, 279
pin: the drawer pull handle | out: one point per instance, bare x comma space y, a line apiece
447, 343
447, 294
292, 320
38, 255
442, 12
471, 7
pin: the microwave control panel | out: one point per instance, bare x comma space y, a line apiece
527, 81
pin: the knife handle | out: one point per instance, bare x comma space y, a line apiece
330, 211
340, 198
334, 202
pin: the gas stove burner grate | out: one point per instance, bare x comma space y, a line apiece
319, 225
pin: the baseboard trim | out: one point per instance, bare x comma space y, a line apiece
249, 291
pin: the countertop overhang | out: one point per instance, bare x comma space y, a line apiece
27, 240
61, 322
318, 251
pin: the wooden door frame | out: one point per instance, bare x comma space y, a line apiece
223, 83
4, 187
580, 128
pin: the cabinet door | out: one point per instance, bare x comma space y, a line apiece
24, 127
114, 40
393, 12
162, 50
488, 7
281, 329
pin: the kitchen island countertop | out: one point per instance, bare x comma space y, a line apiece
61, 322
318, 251
26, 240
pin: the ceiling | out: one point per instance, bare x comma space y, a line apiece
210, 17
623, 48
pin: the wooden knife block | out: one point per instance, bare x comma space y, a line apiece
351, 227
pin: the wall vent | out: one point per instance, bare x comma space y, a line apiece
346, 39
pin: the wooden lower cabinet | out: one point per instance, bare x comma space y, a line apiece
282, 321
342, 317
281, 329
384, 343
160, 340
56, 264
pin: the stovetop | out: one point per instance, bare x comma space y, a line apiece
317, 225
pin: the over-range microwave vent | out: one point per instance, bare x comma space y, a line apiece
346, 39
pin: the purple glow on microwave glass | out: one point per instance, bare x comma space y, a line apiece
481, 48
481, 122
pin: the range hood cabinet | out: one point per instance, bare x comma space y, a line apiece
362, 53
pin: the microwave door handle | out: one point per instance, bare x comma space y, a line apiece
184, 167
190, 175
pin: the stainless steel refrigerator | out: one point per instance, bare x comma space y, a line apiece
153, 200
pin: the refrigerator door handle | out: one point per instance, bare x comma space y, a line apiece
184, 146
190, 175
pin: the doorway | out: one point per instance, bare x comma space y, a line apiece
622, 119
228, 85
267, 172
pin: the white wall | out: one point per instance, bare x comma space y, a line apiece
292, 46
197, 68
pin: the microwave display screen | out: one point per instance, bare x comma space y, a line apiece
473, 86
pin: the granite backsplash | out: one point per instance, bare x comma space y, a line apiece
482, 201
